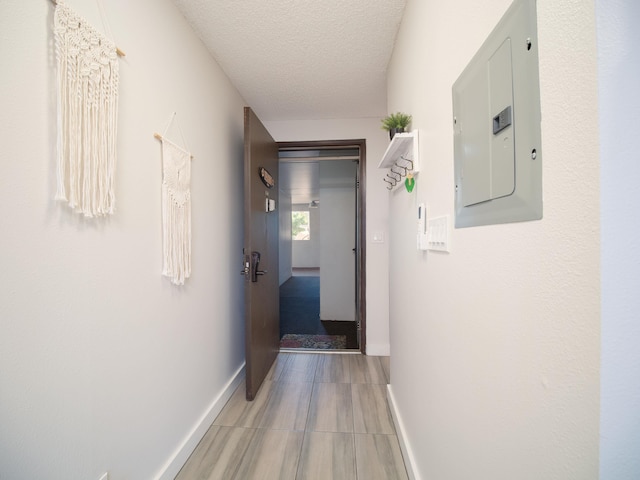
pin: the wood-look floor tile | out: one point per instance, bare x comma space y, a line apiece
333, 369
218, 454
271, 455
327, 456
378, 457
386, 367
265, 439
300, 367
366, 369
331, 408
238, 412
370, 409
287, 407
278, 366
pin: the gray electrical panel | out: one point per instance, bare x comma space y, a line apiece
496, 110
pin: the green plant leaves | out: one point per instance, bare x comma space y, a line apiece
396, 120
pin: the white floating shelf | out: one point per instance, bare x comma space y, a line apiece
402, 153
402, 145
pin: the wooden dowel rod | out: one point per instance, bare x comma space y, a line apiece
159, 137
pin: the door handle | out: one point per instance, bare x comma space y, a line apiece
255, 266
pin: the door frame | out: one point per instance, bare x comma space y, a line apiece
361, 242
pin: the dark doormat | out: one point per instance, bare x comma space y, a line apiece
315, 342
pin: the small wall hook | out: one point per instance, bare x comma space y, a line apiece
407, 160
393, 174
399, 166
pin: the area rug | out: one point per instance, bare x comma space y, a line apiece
317, 342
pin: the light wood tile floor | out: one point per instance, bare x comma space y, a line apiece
317, 416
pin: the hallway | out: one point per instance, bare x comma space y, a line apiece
317, 416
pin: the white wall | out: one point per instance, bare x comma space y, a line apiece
337, 259
104, 364
306, 253
285, 254
619, 103
495, 346
376, 209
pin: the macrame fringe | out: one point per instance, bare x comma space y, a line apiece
177, 239
87, 114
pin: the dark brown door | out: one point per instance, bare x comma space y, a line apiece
260, 251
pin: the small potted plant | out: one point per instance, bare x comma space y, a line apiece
396, 123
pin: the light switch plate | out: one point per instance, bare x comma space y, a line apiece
439, 234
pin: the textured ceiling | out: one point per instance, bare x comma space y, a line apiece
302, 59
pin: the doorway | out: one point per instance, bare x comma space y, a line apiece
322, 246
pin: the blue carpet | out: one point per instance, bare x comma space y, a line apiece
300, 306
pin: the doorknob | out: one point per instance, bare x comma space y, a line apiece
255, 266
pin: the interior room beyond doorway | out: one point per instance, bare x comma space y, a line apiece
319, 247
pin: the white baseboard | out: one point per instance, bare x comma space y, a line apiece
378, 350
407, 453
179, 458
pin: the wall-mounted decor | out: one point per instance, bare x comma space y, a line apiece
176, 209
87, 97
402, 159
266, 178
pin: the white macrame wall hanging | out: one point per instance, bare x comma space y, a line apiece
87, 80
176, 208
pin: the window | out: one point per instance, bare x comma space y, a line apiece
300, 225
